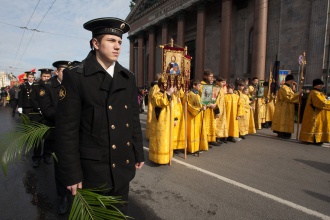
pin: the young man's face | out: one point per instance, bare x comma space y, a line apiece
30, 78
255, 81
197, 86
240, 87
108, 48
319, 87
209, 78
59, 73
221, 83
45, 76
289, 82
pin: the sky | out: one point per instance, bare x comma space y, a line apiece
59, 31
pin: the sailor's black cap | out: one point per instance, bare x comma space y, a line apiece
61, 64
107, 25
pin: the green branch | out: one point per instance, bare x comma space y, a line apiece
87, 203
26, 135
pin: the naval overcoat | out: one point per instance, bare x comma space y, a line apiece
98, 130
48, 99
24, 95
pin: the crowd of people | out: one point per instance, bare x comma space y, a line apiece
90, 105
235, 111
37, 99
4, 96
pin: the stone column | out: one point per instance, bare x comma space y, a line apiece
140, 73
259, 39
181, 26
225, 39
316, 46
151, 67
131, 53
165, 32
200, 40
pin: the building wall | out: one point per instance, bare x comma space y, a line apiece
240, 43
294, 26
316, 39
293, 38
212, 36
273, 34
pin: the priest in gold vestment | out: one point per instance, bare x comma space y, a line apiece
245, 120
210, 113
154, 89
269, 98
315, 126
283, 121
257, 102
179, 140
221, 129
160, 140
196, 136
233, 113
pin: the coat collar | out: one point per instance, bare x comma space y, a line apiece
91, 66
120, 78
54, 82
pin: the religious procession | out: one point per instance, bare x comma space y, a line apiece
195, 115
83, 118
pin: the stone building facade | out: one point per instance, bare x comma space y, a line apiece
233, 38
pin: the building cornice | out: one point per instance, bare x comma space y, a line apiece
162, 13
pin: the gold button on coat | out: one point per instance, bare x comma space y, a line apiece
127, 161
113, 127
110, 107
126, 106
128, 143
114, 147
127, 125
113, 165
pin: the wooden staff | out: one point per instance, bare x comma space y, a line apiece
270, 80
186, 110
185, 125
171, 117
302, 62
171, 131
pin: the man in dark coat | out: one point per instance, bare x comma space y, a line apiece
24, 95
13, 93
99, 138
43, 150
48, 100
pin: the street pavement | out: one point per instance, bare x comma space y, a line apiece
261, 177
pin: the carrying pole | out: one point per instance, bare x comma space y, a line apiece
302, 62
185, 114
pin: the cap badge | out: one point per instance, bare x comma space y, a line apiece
122, 26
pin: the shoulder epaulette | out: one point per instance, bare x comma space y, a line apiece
81, 67
76, 66
73, 65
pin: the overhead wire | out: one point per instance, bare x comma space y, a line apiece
44, 32
20, 43
36, 29
269, 5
